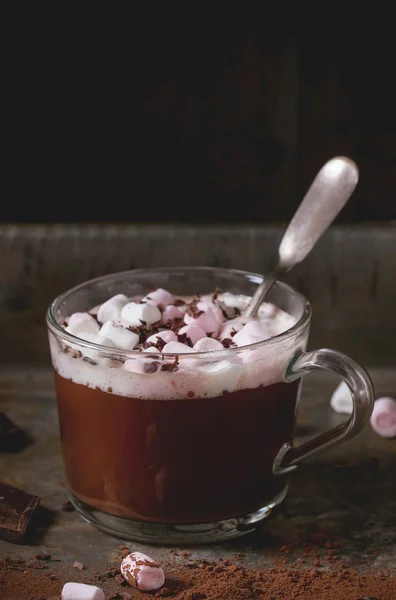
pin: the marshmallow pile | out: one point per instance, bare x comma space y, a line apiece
149, 345
383, 417
161, 323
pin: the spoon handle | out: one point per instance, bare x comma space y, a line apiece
327, 195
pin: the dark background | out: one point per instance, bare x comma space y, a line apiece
150, 121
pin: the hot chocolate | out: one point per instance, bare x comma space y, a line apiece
177, 417
167, 434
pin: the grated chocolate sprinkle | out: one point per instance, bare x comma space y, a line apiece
151, 367
185, 339
179, 302
171, 367
227, 343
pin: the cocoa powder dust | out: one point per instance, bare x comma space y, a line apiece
202, 580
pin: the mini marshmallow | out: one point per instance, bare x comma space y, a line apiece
81, 591
140, 314
121, 337
341, 399
142, 365
208, 345
80, 322
172, 312
167, 335
194, 332
176, 348
142, 572
206, 320
96, 339
111, 309
254, 331
159, 296
383, 417
215, 308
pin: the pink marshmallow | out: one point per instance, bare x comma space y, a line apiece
206, 320
208, 345
142, 572
383, 417
159, 296
172, 312
167, 336
194, 332
206, 304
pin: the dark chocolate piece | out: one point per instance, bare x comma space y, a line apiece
67, 506
16, 510
12, 437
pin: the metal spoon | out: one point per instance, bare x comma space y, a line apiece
328, 194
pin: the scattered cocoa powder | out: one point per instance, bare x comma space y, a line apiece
203, 580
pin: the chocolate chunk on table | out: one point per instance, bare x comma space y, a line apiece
16, 511
12, 437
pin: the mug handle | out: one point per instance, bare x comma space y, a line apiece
362, 391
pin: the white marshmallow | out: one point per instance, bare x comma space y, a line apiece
341, 399
142, 572
167, 335
111, 309
206, 320
194, 332
383, 417
176, 348
141, 365
137, 314
159, 296
254, 331
80, 322
207, 344
121, 337
96, 339
172, 312
81, 591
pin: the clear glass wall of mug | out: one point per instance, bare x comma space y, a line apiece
194, 448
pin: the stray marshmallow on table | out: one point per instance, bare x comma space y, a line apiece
81, 591
383, 417
142, 572
341, 399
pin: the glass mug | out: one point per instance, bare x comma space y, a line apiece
187, 455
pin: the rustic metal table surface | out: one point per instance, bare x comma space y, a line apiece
348, 492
